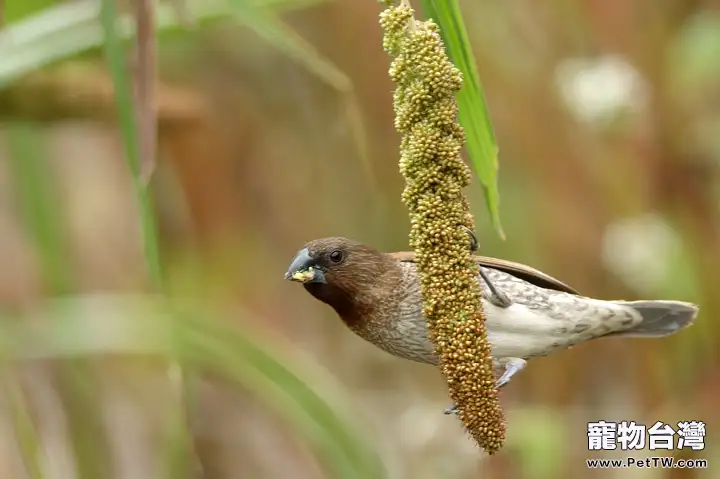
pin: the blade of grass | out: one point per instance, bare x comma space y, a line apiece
473, 113
146, 52
179, 448
115, 54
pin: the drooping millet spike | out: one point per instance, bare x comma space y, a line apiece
435, 175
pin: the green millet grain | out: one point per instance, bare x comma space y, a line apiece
435, 175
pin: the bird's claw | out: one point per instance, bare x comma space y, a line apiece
512, 367
474, 244
497, 297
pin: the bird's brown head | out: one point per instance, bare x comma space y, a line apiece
340, 272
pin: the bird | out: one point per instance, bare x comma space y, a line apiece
528, 313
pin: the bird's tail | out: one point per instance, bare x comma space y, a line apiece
659, 318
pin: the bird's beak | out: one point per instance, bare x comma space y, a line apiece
304, 270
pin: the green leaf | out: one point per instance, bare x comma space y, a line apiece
473, 112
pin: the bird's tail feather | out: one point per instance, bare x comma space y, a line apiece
659, 318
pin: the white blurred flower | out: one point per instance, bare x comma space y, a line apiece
639, 250
598, 89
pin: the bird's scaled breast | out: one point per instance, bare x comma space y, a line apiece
406, 337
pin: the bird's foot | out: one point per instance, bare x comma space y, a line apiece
497, 297
451, 410
512, 367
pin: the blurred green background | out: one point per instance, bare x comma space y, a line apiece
274, 128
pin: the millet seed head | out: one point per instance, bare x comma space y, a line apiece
435, 175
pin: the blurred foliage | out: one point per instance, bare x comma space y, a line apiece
137, 325
343, 454
271, 115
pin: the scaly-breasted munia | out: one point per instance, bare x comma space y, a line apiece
529, 313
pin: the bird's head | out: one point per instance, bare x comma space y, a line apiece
338, 271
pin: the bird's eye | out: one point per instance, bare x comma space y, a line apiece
337, 256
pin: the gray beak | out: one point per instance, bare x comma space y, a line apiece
304, 270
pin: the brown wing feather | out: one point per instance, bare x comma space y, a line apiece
524, 272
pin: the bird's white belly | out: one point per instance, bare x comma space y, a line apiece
520, 332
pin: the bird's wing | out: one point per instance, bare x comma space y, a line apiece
524, 272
